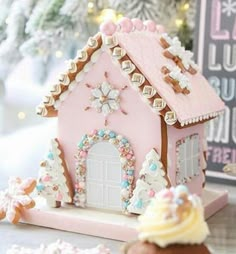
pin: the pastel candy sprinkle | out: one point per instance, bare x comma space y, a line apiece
81, 144
125, 184
112, 134
151, 193
126, 203
50, 155
124, 141
46, 178
125, 177
130, 172
139, 204
101, 133
153, 167
83, 154
40, 187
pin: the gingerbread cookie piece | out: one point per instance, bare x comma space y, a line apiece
176, 78
16, 198
175, 51
54, 183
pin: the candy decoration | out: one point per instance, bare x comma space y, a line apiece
16, 198
126, 157
126, 25
174, 51
108, 28
54, 182
150, 25
105, 99
137, 24
152, 179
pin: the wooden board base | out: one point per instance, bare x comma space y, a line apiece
102, 223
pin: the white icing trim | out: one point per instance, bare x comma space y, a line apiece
52, 183
151, 181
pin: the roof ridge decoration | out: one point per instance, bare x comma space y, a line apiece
106, 39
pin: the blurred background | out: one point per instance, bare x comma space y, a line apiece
36, 37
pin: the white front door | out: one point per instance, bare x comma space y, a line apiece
104, 176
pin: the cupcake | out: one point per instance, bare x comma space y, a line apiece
173, 223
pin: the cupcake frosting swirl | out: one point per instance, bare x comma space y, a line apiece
174, 217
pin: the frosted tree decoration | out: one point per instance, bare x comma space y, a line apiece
152, 179
54, 183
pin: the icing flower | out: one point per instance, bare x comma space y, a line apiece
174, 217
15, 198
105, 99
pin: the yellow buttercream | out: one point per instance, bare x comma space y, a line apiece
165, 222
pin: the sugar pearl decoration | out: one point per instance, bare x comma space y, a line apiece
126, 25
150, 25
108, 28
137, 24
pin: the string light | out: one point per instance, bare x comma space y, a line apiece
179, 22
107, 14
90, 7
58, 54
186, 6
21, 115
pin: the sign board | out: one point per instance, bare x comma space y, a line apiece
215, 53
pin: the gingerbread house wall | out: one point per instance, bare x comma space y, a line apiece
175, 135
140, 126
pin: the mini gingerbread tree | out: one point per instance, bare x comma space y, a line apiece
54, 182
152, 179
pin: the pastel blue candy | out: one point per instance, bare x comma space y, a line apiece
40, 187
125, 184
179, 201
153, 167
130, 172
124, 140
50, 156
101, 133
112, 134
139, 204
81, 144
126, 203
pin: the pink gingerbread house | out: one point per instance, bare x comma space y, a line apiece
131, 110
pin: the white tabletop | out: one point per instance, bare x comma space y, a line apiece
222, 226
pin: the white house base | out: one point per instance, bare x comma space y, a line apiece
102, 223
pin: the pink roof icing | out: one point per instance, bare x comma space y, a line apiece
143, 47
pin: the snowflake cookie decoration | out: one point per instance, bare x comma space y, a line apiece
14, 199
179, 81
105, 99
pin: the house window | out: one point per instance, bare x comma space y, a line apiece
188, 159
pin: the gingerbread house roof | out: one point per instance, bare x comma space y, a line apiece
158, 67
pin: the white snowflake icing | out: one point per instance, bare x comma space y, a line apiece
229, 7
105, 99
176, 49
176, 74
